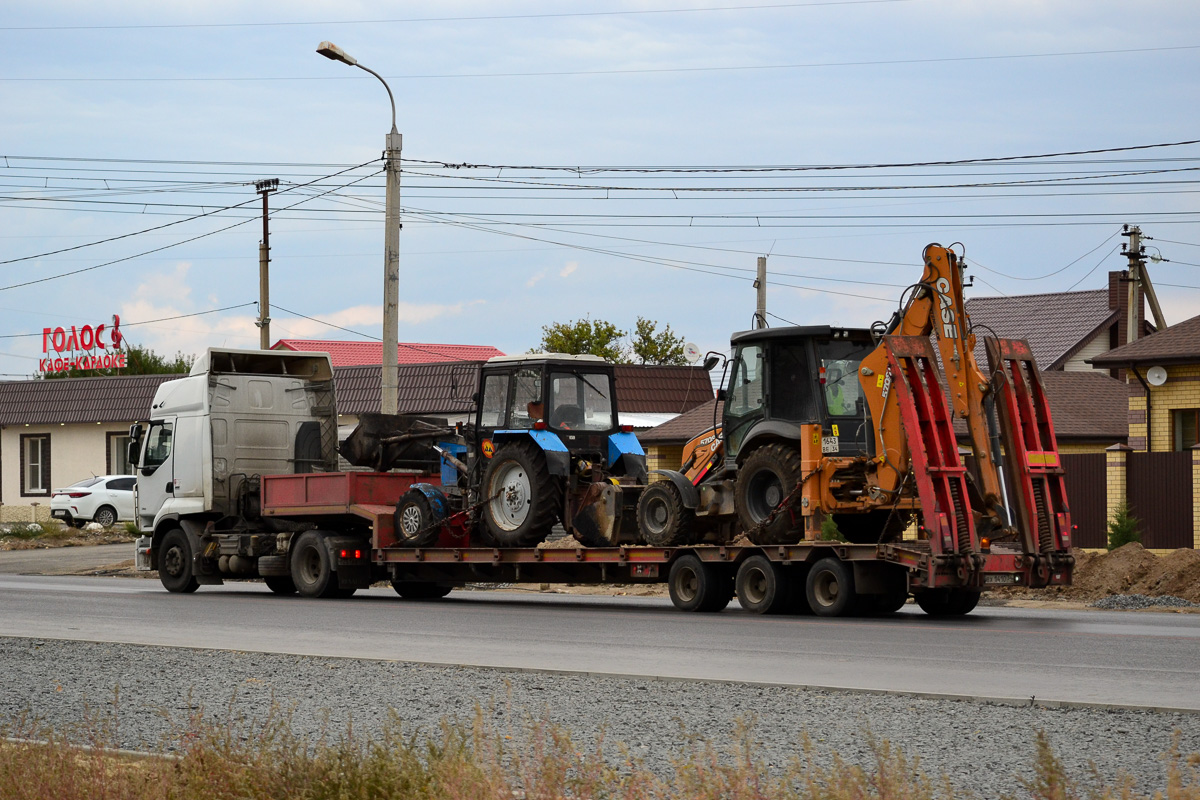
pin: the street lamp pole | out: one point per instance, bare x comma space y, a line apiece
390, 376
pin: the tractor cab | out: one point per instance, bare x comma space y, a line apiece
782, 378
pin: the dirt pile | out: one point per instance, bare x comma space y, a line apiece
1128, 570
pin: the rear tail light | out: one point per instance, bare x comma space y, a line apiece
626, 429
78, 494
540, 425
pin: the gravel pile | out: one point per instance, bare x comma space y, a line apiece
985, 747
1133, 602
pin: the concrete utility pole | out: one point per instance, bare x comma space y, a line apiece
390, 376
264, 259
760, 285
1139, 278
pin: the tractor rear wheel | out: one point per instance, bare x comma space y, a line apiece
765, 480
663, 520
522, 498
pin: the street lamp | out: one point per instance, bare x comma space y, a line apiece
391, 241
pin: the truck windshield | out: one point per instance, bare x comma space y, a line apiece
581, 401
840, 360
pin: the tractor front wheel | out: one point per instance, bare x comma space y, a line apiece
522, 498
663, 520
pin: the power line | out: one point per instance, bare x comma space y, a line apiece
1048, 274
1093, 269
475, 18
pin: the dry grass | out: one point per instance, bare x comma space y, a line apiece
265, 759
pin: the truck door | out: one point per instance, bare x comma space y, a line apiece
156, 475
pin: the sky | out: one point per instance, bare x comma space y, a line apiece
600, 159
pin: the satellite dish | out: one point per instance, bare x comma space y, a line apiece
691, 352
1156, 376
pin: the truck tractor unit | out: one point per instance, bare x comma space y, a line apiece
853, 427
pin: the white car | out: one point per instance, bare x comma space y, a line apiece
106, 500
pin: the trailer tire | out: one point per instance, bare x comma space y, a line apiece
697, 586
762, 586
175, 563
421, 590
415, 523
830, 588
525, 498
663, 520
948, 602
312, 567
280, 584
765, 479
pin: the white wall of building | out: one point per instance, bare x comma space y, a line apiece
76, 452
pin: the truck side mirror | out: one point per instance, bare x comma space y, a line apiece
711, 362
135, 431
131, 452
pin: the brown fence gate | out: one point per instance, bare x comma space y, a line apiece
1087, 496
1159, 489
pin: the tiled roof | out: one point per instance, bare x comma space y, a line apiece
661, 388
1085, 406
444, 388
447, 388
124, 398
1054, 324
348, 354
1172, 345
685, 426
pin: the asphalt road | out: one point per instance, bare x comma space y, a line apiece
1139, 659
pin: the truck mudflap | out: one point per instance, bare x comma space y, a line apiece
142, 559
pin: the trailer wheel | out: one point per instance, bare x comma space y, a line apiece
762, 586
663, 520
697, 586
175, 563
525, 497
280, 584
764, 480
416, 524
830, 588
421, 590
312, 570
947, 602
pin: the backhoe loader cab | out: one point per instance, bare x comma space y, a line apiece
782, 378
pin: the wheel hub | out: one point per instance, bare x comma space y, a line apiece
410, 520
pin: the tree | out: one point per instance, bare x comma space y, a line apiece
600, 338
656, 348
1123, 527
140, 361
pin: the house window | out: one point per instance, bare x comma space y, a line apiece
1185, 427
35, 465
118, 454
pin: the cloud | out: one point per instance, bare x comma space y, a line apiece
530, 283
568, 269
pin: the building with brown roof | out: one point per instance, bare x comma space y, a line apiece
1065, 330
1164, 387
56, 432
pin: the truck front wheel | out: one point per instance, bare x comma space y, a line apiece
522, 498
175, 563
764, 481
312, 570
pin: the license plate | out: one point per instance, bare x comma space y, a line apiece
1001, 578
829, 444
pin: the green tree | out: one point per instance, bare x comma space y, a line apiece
577, 337
1123, 527
650, 347
140, 361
